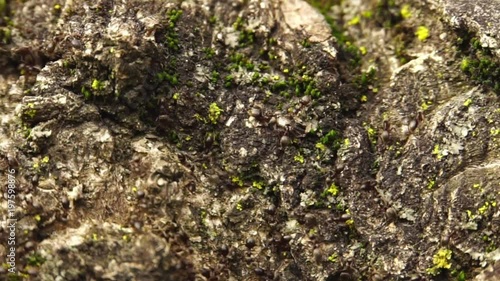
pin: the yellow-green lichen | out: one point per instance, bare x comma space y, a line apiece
237, 180
405, 11
478, 187
436, 151
30, 111
258, 184
422, 33
299, 158
200, 118
239, 206
483, 208
354, 20
333, 257
45, 160
97, 85
431, 184
346, 144
465, 64
367, 14
425, 105
214, 113
363, 50
441, 260
332, 190
320, 146
39, 164
494, 132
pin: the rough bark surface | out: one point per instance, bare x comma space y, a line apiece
243, 140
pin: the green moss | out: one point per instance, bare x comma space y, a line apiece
348, 51
172, 41
214, 76
461, 276
476, 43
305, 43
240, 60
387, 14
5, 35
212, 20
479, 63
229, 81
35, 259
352, 52
238, 24
173, 17
255, 76
209, 52
482, 69
323, 6
246, 38
332, 139
3, 6
298, 82
85, 92
17, 277
173, 137
171, 36
166, 76
367, 78
279, 86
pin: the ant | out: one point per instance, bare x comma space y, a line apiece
281, 122
408, 128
